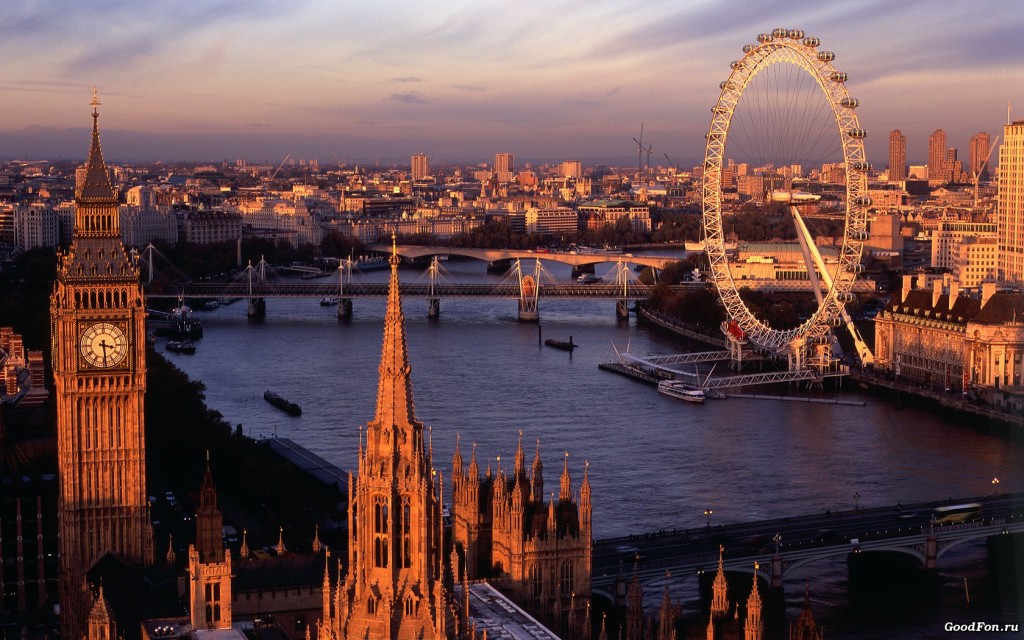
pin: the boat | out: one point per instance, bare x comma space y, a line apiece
290, 408
675, 390
371, 264
178, 324
561, 344
181, 346
329, 301
588, 278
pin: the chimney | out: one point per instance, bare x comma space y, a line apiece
936, 292
954, 293
908, 286
988, 289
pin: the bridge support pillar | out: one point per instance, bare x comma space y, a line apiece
257, 308
622, 309
931, 551
776, 576
433, 307
345, 308
528, 311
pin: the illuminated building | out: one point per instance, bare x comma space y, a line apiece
97, 316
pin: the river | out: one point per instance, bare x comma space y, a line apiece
654, 462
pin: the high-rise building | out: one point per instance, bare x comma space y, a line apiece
393, 588
504, 167
981, 144
1010, 212
98, 316
420, 167
504, 162
937, 155
897, 156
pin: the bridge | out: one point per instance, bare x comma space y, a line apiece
259, 282
576, 259
783, 545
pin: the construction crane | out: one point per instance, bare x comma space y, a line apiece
274, 175
640, 173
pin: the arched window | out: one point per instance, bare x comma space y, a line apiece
565, 578
536, 583
405, 548
380, 532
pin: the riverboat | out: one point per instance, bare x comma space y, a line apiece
178, 324
675, 390
181, 346
290, 408
371, 264
329, 301
588, 278
561, 344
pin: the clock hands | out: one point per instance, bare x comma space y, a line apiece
104, 346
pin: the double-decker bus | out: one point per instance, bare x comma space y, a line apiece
956, 513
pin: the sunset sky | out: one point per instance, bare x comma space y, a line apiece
461, 80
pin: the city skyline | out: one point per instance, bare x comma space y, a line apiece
461, 82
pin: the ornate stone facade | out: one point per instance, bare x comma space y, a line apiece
97, 316
209, 566
393, 587
946, 341
539, 550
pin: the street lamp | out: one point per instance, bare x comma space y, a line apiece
707, 514
856, 502
995, 486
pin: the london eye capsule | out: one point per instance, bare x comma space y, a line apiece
860, 166
811, 42
764, 38
780, 33
795, 34
857, 134
861, 235
838, 76
826, 56
855, 267
849, 103
747, 48
863, 201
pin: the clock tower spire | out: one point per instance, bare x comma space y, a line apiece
98, 333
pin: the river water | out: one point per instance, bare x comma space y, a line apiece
655, 462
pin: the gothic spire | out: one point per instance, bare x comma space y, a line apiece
719, 589
96, 186
394, 391
754, 627
565, 493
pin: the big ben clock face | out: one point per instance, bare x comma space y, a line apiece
103, 345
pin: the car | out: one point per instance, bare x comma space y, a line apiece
625, 548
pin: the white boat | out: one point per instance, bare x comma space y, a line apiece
675, 390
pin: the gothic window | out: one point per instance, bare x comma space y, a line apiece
565, 578
371, 606
355, 520
380, 531
405, 550
408, 606
536, 582
216, 613
209, 614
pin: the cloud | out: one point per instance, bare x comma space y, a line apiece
467, 87
405, 80
408, 97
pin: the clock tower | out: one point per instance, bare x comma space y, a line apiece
98, 333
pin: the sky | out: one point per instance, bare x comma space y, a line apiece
460, 80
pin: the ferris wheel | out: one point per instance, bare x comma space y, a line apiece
785, 110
